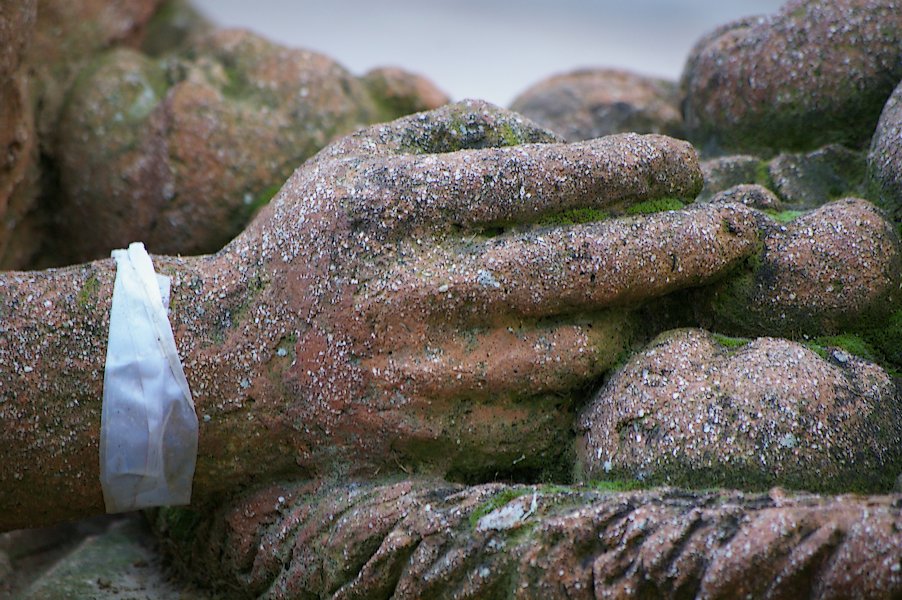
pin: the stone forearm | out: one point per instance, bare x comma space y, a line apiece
52, 355
55, 326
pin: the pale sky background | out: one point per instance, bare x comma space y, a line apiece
490, 49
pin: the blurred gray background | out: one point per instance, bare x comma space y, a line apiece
490, 49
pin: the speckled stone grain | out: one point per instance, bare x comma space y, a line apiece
749, 194
689, 410
316, 342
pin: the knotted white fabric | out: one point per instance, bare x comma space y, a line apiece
148, 430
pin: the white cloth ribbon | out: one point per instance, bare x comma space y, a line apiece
148, 429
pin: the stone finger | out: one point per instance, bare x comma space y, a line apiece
523, 359
564, 270
474, 190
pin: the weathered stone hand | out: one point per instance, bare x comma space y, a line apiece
397, 307
384, 323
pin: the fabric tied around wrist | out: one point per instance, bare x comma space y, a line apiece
148, 429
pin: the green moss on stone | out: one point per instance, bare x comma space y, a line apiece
884, 335
459, 127
816, 348
179, 523
762, 175
784, 216
509, 136
653, 206
574, 216
616, 485
851, 343
730, 302
502, 498
87, 292
730, 342
553, 488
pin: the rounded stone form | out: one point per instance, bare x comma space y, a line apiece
808, 180
885, 157
725, 172
68, 35
184, 151
750, 194
593, 103
697, 409
401, 92
827, 271
817, 72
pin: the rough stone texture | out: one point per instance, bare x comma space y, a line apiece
689, 410
809, 180
181, 159
727, 171
815, 73
18, 141
400, 92
831, 270
592, 103
174, 28
756, 196
391, 310
885, 157
422, 539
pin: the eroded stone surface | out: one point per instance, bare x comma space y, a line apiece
69, 33
885, 157
422, 539
593, 103
817, 72
695, 409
